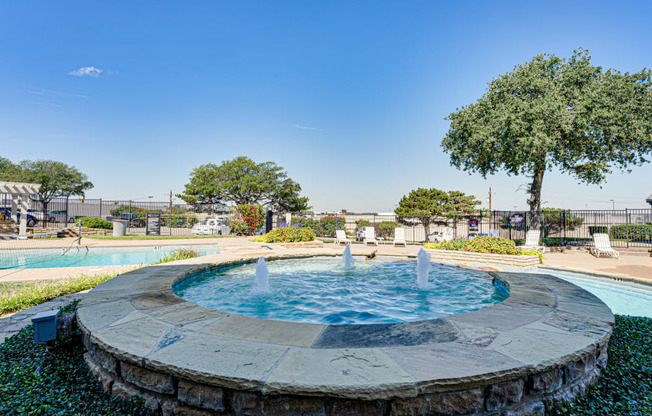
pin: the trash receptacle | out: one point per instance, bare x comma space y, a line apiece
120, 228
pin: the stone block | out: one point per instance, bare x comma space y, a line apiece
101, 357
191, 411
547, 381
453, 403
530, 409
577, 369
294, 406
105, 378
503, 395
127, 391
247, 403
147, 379
201, 395
343, 407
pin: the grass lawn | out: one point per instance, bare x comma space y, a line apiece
15, 297
155, 237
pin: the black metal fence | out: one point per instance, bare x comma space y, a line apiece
176, 219
626, 228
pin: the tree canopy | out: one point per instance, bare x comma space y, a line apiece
425, 204
554, 112
243, 181
55, 178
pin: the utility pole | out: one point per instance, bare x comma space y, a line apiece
489, 198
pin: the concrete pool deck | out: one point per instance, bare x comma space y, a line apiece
629, 267
546, 341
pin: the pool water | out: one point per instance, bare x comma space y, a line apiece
82, 256
320, 290
622, 297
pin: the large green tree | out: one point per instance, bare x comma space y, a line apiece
459, 205
243, 181
56, 179
422, 205
554, 112
8, 170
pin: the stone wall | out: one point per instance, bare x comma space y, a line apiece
534, 394
465, 257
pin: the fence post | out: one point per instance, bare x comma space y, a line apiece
564, 239
509, 223
627, 226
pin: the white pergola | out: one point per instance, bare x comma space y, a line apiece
23, 191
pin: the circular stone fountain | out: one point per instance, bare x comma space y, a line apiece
547, 341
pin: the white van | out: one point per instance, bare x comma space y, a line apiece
211, 226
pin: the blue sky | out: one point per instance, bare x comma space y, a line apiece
349, 97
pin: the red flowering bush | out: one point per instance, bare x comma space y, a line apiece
250, 219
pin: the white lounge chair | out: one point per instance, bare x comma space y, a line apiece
370, 236
601, 244
340, 237
399, 236
532, 241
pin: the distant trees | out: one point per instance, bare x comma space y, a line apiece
554, 112
426, 205
243, 181
56, 178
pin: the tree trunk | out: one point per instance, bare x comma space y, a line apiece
535, 195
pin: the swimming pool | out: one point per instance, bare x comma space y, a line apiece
623, 297
96, 256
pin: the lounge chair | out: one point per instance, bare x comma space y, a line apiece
370, 236
601, 244
532, 241
340, 237
399, 236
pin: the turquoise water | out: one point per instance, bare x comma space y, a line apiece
319, 290
78, 257
624, 298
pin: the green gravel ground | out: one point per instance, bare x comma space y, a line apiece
625, 387
54, 380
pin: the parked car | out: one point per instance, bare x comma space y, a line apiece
6, 212
211, 226
134, 221
52, 216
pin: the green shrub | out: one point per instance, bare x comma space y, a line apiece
385, 229
42, 379
92, 222
593, 229
324, 228
291, 234
625, 385
178, 254
553, 241
495, 245
533, 253
634, 232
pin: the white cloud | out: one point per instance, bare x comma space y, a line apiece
302, 127
91, 71
43, 91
